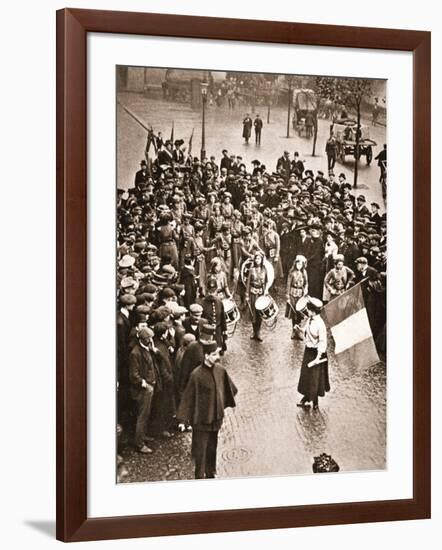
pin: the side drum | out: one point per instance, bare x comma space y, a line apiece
267, 309
232, 314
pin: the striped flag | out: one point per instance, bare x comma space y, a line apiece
350, 329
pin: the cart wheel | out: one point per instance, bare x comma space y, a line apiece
369, 155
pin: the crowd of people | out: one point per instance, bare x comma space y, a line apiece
184, 231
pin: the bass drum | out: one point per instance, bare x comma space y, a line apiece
245, 268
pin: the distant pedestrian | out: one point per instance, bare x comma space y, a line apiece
331, 149
309, 122
247, 124
258, 123
208, 393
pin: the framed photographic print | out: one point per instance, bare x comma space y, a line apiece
223, 207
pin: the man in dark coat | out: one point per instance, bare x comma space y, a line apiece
163, 406
124, 326
247, 124
144, 381
287, 239
331, 151
142, 175
258, 124
194, 322
226, 161
284, 164
315, 269
209, 392
193, 356
187, 278
297, 165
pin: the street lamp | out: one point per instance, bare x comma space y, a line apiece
289, 104
204, 89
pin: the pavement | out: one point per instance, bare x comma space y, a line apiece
266, 433
224, 131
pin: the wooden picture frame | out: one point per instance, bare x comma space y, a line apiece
73, 523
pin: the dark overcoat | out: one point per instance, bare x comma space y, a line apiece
208, 393
247, 127
192, 357
213, 311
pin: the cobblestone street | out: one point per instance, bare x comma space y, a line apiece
266, 434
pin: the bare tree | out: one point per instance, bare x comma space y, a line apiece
351, 92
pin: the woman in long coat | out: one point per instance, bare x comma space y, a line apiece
167, 239
236, 232
247, 124
313, 379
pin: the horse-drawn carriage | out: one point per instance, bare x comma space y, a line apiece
305, 105
345, 133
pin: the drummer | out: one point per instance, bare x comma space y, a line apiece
297, 286
313, 379
256, 287
217, 273
248, 247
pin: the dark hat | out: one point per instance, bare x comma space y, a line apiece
195, 309
128, 300
145, 334
207, 335
160, 328
361, 260
150, 288
168, 293
212, 284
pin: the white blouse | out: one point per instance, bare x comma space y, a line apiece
316, 334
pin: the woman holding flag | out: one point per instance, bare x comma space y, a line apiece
313, 379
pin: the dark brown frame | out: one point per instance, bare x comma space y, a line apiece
72, 28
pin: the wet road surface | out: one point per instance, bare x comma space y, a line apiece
223, 131
266, 433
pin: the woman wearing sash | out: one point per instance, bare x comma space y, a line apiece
313, 379
256, 287
297, 286
272, 247
338, 279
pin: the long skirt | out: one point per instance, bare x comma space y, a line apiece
313, 381
169, 249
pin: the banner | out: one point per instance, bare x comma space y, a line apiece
350, 328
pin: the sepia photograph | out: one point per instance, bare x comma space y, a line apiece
251, 274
